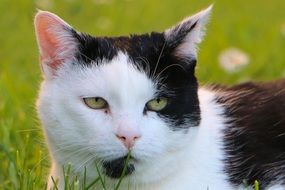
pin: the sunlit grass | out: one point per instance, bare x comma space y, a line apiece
256, 27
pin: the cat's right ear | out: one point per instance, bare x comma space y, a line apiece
186, 35
55, 40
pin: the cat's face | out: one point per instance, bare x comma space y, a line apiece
103, 97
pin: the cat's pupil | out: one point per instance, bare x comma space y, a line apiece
158, 100
96, 99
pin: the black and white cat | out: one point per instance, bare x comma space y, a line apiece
104, 96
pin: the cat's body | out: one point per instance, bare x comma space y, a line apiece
104, 96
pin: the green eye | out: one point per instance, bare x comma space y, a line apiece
157, 104
95, 102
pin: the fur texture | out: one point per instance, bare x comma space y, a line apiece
205, 138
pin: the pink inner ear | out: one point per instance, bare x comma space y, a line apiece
49, 45
55, 42
47, 38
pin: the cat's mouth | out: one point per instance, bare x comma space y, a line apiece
115, 168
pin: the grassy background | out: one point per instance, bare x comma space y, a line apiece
255, 26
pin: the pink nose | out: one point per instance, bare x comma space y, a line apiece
128, 139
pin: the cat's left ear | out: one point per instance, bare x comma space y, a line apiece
184, 37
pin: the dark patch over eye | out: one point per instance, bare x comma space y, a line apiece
182, 110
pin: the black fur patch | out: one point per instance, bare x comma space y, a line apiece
114, 168
255, 137
94, 50
153, 54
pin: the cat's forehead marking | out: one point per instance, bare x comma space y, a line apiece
94, 49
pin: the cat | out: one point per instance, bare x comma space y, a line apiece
106, 98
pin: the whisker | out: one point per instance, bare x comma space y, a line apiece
159, 57
88, 58
85, 163
169, 67
57, 150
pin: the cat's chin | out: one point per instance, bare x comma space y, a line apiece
114, 168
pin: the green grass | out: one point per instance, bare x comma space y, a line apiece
73, 183
254, 26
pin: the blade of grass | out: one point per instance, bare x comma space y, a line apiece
66, 176
124, 171
256, 185
84, 178
54, 183
100, 177
92, 183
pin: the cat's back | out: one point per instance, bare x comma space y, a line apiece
254, 138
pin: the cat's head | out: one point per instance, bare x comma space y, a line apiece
103, 96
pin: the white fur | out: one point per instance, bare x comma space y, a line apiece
79, 135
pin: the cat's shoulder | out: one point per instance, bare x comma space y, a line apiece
254, 136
